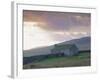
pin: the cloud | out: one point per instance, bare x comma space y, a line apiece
60, 25
58, 21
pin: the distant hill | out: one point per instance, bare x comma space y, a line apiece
83, 44
38, 51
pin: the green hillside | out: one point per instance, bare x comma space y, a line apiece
82, 59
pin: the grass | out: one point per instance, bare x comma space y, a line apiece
82, 59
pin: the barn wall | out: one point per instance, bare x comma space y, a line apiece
67, 52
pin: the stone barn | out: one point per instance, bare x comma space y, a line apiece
65, 49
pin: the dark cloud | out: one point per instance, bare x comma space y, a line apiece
59, 21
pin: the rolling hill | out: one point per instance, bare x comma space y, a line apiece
83, 44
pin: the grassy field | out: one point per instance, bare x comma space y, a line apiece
82, 59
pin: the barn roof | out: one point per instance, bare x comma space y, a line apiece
63, 46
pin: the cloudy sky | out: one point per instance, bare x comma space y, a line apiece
43, 28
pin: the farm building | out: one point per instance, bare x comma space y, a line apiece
65, 49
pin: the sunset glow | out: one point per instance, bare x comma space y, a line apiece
34, 36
